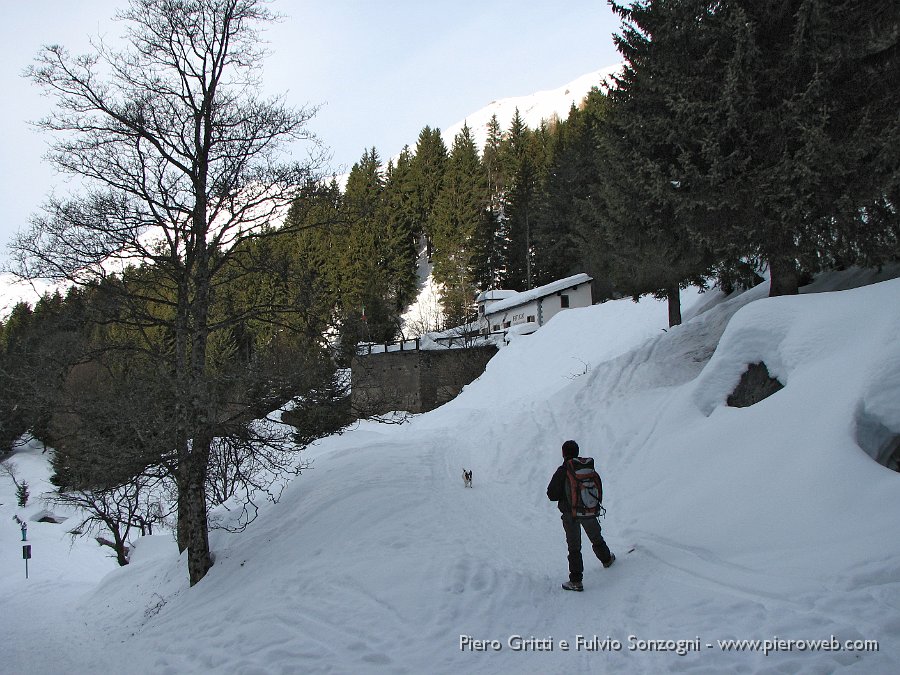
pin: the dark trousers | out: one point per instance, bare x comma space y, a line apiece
591, 527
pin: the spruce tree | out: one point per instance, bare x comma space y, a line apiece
490, 239
522, 172
368, 310
784, 119
428, 175
458, 214
402, 228
650, 248
565, 221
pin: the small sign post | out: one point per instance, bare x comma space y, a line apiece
26, 554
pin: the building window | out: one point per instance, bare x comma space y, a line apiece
496, 326
531, 319
564, 301
507, 324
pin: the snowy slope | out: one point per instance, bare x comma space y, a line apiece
749, 523
534, 108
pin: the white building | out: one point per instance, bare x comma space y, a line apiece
502, 310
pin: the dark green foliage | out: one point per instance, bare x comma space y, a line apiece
427, 168
321, 412
458, 214
521, 170
488, 244
402, 227
38, 347
358, 249
565, 232
783, 118
371, 251
22, 494
651, 248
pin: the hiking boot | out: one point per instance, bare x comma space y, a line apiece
612, 559
573, 586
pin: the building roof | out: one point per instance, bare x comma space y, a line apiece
540, 292
497, 294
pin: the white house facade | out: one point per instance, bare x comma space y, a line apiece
525, 312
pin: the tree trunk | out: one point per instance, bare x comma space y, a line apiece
784, 276
673, 295
192, 498
183, 527
121, 554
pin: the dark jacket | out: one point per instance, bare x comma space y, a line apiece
556, 490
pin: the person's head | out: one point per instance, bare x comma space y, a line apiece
569, 449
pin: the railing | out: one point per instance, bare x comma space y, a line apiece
364, 349
448, 342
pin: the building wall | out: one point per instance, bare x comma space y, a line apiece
513, 317
552, 305
414, 381
542, 309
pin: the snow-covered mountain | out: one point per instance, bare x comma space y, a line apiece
764, 537
534, 108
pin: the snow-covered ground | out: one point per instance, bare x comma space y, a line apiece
765, 523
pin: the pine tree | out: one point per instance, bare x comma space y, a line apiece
364, 273
565, 227
458, 213
784, 119
650, 248
402, 228
522, 172
490, 240
428, 174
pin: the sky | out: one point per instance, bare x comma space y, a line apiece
381, 71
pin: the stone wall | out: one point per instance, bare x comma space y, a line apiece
414, 381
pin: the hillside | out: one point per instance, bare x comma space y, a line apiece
534, 108
763, 523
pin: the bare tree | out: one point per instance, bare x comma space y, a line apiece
179, 162
22, 493
133, 504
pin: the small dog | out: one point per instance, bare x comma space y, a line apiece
467, 478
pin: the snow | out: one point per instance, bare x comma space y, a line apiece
14, 290
534, 108
768, 522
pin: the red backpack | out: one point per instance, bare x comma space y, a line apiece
584, 488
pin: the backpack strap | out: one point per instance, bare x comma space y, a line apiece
572, 484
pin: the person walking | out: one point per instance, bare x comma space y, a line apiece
559, 491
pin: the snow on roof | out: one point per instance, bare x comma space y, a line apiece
539, 292
495, 295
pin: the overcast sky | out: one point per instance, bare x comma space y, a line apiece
382, 69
